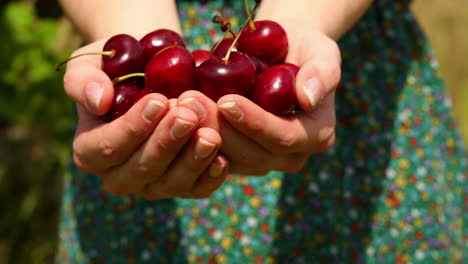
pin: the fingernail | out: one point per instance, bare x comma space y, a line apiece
313, 90
232, 110
93, 94
196, 106
151, 110
203, 148
181, 128
216, 169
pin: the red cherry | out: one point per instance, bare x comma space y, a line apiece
200, 56
142, 94
260, 66
292, 67
171, 72
274, 90
128, 56
267, 41
160, 39
124, 97
221, 47
122, 54
217, 77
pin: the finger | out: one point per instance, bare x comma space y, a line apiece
153, 158
203, 106
211, 179
172, 103
99, 146
297, 133
244, 154
85, 82
190, 163
319, 74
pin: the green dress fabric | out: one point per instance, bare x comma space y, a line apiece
391, 190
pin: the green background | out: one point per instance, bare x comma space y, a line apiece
36, 118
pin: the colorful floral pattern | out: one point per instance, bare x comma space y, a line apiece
392, 190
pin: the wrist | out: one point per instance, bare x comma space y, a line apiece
105, 18
332, 18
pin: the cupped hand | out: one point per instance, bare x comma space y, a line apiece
256, 141
155, 150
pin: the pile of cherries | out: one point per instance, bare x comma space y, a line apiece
249, 63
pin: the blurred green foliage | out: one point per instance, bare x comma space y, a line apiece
35, 126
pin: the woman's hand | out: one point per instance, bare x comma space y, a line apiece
152, 150
256, 141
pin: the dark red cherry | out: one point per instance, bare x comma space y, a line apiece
142, 94
200, 56
160, 39
217, 77
260, 66
268, 42
128, 56
221, 47
124, 97
171, 72
274, 90
292, 67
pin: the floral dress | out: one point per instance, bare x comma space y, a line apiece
391, 190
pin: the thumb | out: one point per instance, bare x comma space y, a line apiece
85, 82
319, 75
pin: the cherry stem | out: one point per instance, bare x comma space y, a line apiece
225, 25
219, 42
103, 53
249, 14
234, 43
232, 33
128, 76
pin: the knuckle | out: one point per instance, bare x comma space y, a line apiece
142, 170
105, 149
115, 188
162, 146
327, 142
289, 143
80, 158
80, 163
132, 130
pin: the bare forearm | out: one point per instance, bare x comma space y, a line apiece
104, 18
333, 18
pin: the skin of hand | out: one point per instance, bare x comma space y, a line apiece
256, 141
156, 150
109, 152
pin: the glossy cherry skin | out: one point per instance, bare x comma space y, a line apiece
142, 94
171, 72
260, 66
223, 47
160, 39
129, 56
268, 42
216, 77
292, 67
274, 90
200, 56
124, 97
